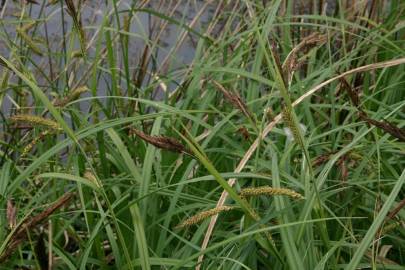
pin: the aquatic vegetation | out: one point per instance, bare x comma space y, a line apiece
202, 134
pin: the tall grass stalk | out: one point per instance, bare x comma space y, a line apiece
202, 134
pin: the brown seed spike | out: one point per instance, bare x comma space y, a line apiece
34, 221
235, 100
388, 127
244, 132
396, 210
32, 2
291, 63
73, 95
277, 60
322, 159
354, 97
162, 142
11, 214
31, 145
73, 12
20, 233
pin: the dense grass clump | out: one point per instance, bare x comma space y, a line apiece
202, 134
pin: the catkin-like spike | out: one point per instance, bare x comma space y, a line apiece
11, 214
291, 63
28, 40
28, 26
90, 176
73, 95
19, 235
77, 54
391, 227
288, 119
203, 215
386, 126
353, 95
162, 142
28, 148
34, 120
267, 190
127, 23
3, 63
235, 100
74, 13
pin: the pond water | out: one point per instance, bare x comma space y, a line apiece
54, 21
93, 13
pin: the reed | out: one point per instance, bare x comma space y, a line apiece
168, 121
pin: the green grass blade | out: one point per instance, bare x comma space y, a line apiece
378, 221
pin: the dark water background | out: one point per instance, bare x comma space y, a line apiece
93, 12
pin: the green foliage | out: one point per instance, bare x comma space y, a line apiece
264, 89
